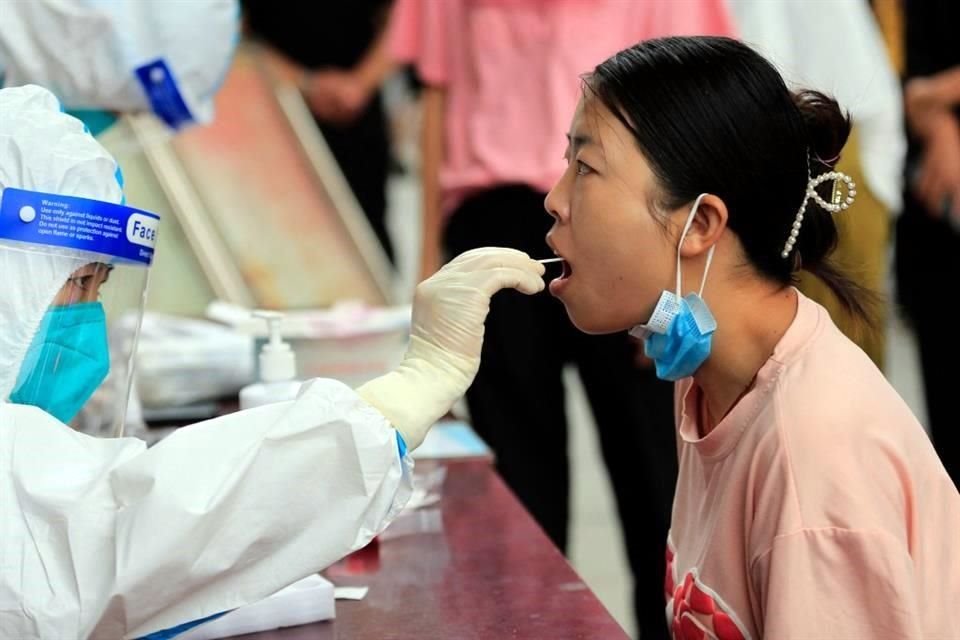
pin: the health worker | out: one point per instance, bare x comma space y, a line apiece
104, 538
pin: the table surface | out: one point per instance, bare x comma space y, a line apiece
478, 567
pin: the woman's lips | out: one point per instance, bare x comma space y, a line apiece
558, 284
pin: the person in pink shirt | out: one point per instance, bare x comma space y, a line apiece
810, 502
502, 77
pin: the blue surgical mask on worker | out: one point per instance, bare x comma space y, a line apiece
66, 362
679, 334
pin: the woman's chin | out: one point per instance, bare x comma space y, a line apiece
591, 322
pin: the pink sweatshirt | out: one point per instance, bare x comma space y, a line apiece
816, 509
512, 68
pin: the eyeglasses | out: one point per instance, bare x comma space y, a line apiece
92, 281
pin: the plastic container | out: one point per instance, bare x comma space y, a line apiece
352, 343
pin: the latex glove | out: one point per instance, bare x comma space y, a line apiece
449, 310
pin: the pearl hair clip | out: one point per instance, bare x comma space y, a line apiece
839, 203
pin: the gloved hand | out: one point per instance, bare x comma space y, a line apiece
449, 310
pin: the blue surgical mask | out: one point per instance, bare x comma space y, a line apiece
66, 362
679, 334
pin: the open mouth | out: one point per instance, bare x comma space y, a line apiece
560, 263
559, 283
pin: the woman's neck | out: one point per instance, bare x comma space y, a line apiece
751, 320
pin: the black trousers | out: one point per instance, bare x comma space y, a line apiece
362, 149
517, 401
928, 270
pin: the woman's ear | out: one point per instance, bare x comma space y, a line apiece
707, 227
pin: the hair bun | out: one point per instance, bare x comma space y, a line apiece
828, 128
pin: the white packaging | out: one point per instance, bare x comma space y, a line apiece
308, 600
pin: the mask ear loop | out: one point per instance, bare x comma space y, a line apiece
706, 269
683, 236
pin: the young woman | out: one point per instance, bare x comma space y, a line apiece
810, 503
501, 77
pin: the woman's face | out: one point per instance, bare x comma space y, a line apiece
619, 256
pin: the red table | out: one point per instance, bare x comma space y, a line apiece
490, 573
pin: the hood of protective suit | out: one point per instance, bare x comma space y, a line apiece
42, 149
87, 51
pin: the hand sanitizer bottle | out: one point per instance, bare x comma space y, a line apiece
278, 368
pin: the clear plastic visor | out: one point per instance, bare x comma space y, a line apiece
77, 365
75, 280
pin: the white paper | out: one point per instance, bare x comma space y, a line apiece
350, 593
308, 600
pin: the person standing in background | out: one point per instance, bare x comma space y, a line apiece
501, 79
342, 47
856, 70
928, 232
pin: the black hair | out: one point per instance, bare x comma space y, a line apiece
712, 115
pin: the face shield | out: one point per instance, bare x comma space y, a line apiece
83, 267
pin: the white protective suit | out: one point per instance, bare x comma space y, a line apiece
104, 538
86, 51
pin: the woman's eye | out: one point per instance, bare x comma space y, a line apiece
583, 169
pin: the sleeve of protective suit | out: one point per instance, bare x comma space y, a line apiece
89, 53
105, 539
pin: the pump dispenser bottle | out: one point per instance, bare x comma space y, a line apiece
278, 368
